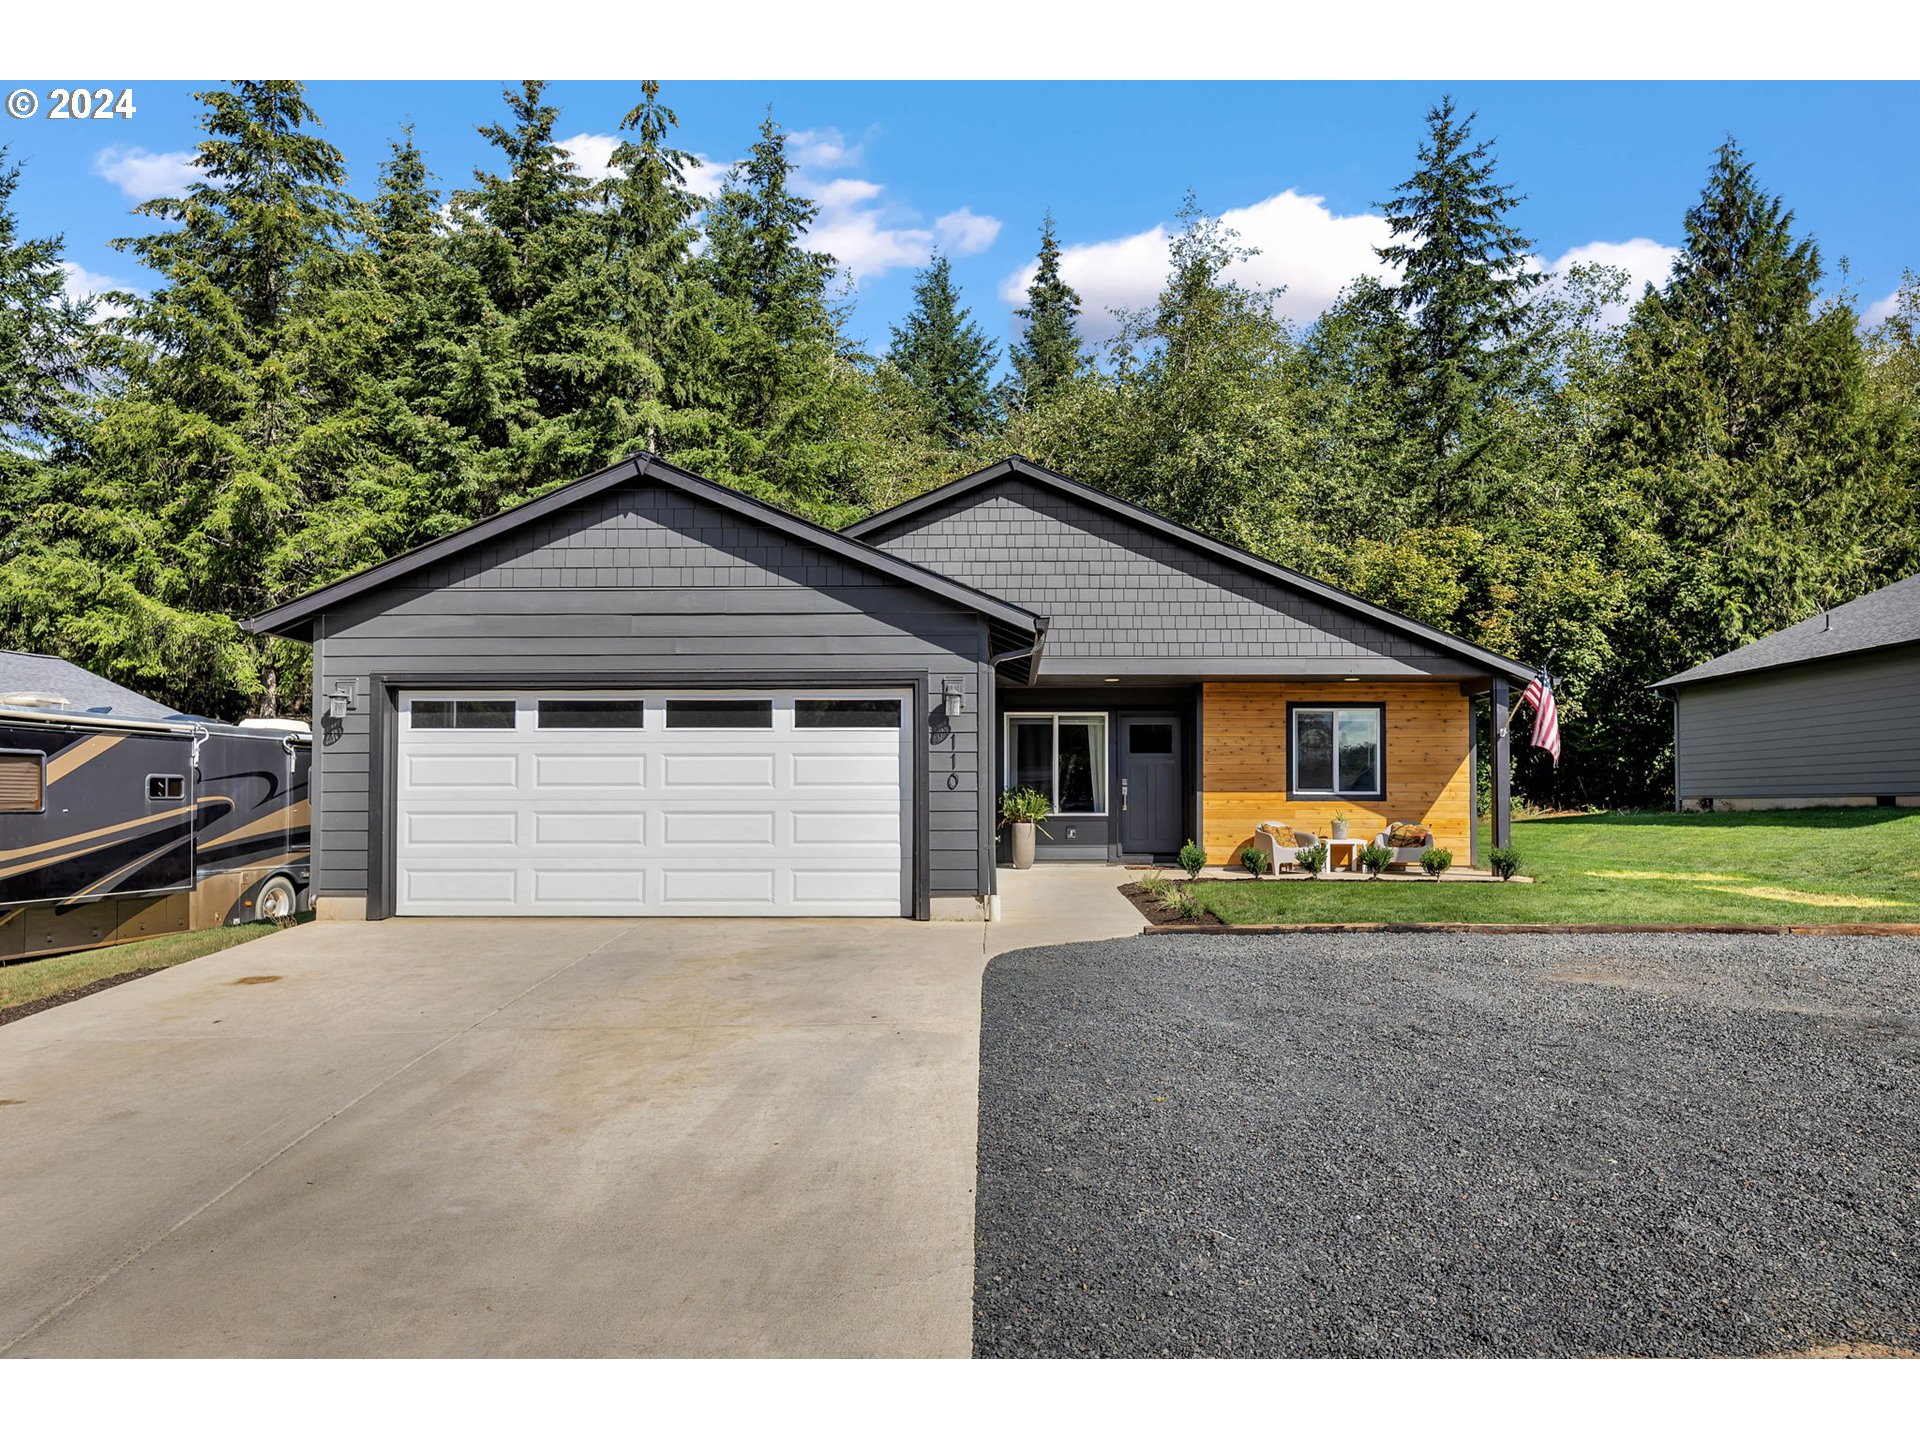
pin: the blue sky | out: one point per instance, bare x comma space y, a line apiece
1608, 169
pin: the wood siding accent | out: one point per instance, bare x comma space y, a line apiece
1429, 744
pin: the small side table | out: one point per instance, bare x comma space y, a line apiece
1344, 854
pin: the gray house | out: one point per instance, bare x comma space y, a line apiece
1826, 712
644, 693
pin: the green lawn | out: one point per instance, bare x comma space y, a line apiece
1758, 867
29, 980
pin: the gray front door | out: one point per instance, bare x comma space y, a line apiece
1150, 800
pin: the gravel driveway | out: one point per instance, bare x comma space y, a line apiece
1450, 1145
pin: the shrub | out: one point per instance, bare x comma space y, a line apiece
1505, 862
1192, 860
1187, 905
1256, 860
1157, 886
1374, 859
1313, 859
1024, 806
1436, 862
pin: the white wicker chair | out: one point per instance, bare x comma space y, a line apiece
1284, 854
1402, 854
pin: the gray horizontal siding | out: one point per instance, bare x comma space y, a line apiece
1842, 727
1120, 595
638, 583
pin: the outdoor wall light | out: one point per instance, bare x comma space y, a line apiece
339, 701
953, 699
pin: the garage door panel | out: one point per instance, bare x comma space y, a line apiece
765, 819
462, 772
719, 828
590, 771
589, 827
709, 771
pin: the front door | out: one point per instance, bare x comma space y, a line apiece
1151, 803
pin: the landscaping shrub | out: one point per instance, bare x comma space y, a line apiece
1374, 859
1505, 862
1436, 862
1187, 905
1157, 886
1312, 860
1256, 860
1192, 860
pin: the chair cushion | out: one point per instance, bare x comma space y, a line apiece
1403, 836
1282, 834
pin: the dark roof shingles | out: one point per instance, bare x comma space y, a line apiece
1888, 616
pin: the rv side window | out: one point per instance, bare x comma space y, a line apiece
166, 787
23, 782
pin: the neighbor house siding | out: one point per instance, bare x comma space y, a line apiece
1120, 597
1843, 728
633, 584
1429, 763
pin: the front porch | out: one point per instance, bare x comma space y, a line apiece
1137, 767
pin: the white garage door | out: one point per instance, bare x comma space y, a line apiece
645, 803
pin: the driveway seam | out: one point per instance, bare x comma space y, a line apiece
197, 1211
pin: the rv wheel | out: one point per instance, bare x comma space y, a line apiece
276, 899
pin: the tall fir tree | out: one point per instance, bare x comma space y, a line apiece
947, 359
1049, 353
1465, 283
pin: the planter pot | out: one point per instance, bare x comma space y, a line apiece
1339, 829
1022, 845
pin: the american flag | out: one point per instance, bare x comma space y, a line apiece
1546, 718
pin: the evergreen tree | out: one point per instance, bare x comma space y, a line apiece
44, 345
1049, 352
1464, 285
947, 358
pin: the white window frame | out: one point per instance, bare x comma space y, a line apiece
1375, 709
1053, 788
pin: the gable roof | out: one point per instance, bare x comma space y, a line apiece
1014, 628
22, 673
1019, 466
1886, 617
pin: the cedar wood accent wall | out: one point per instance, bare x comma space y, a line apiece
1429, 731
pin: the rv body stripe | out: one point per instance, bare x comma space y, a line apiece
46, 846
74, 756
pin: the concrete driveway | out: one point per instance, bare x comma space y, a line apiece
667, 1137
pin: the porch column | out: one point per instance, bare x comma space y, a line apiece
1502, 768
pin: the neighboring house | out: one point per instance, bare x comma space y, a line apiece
1826, 712
644, 693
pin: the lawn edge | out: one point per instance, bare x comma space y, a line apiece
1466, 927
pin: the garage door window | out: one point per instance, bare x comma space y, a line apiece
719, 714
846, 714
592, 714
460, 714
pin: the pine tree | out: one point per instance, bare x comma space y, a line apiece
44, 382
1464, 284
946, 358
1049, 352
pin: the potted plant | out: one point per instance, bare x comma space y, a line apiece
1024, 809
1340, 818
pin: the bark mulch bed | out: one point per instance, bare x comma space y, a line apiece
1158, 915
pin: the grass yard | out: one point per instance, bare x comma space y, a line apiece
28, 982
1825, 866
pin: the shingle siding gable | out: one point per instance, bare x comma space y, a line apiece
1111, 589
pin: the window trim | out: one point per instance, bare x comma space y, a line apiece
1053, 790
153, 799
41, 756
1334, 707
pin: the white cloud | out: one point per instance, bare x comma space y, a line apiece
1881, 310
142, 174
1647, 262
591, 155
1303, 245
80, 283
961, 232
822, 149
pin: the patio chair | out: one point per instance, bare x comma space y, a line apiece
1283, 854
1403, 854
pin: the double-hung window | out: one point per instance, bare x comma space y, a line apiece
1064, 757
1337, 751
